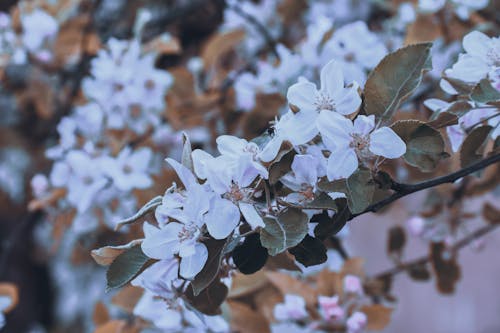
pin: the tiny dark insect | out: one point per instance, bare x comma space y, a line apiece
271, 131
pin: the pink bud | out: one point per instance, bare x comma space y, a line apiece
356, 322
352, 284
416, 225
330, 308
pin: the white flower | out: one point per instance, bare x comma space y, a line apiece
5, 303
349, 142
82, 176
356, 322
295, 128
129, 169
357, 49
293, 308
332, 96
160, 278
229, 175
352, 284
38, 26
482, 58
430, 6
302, 178
457, 133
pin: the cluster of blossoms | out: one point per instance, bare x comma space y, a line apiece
481, 61
38, 30
353, 46
126, 93
462, 8
335, 312
319, 161
216, 205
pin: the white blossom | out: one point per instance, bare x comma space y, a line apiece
350, 142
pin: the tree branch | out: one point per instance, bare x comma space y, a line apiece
270, 42
402, 190
425, 259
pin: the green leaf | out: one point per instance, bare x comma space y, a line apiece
395, 78
443, 119
282, 164
285, 231
483, 92
147, 208
126, 267
472, 148
250, 256
209, 300
310, 252
361, 187
187, 158
321, 201
424, 144
329, 226
216, 251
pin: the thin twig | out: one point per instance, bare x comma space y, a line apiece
402, 190
270, 42
424, 259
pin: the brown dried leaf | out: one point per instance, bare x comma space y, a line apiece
10, 290
114, 326
424, 29
446, 270
100, 315
127, 297
354, 266
244, 319
219, 44
104, 256
266, 299
289, 285
244, 284
329, 283
378, 315
491, 213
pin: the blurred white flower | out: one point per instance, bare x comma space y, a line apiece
293, 308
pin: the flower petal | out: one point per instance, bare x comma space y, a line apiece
363, 125
349, 102
341, 164
222, 218
163, 243
335, 129
302, 95
251, 216
385, 142
190, 266
332, 78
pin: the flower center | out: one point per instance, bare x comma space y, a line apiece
188, 232
324, 102
360, 144
252, 149
307, 191
493, 56
236, 194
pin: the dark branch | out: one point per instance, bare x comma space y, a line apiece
270, 42
425, 259
402, 190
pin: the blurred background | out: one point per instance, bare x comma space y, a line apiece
80, 79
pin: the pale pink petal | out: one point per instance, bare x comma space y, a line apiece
251, 216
